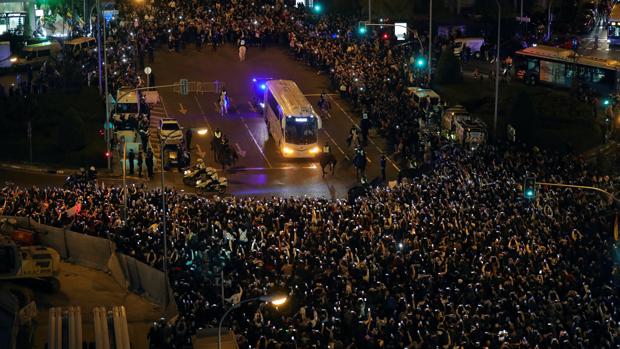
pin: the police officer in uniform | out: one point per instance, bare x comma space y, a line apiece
217, 140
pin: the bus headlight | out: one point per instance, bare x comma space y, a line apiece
13, 59
314, 150
287, 150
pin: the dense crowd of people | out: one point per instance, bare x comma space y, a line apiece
371, 71
456, 257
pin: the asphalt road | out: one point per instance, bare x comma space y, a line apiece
261, 170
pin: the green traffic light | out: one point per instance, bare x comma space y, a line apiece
362, 30
420, 62
529, 193
317, 8
605, 101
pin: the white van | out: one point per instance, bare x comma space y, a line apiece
78, 45
36, 53
474, 44
472, 132
424, 98
127, 103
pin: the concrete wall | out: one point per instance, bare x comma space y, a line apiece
98, 253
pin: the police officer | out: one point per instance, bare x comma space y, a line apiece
326, 149
383, 163
217, 134
365, 126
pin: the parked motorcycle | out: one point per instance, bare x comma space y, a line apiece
81, 178
210, 184
190, 175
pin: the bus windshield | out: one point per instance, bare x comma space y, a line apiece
301, 130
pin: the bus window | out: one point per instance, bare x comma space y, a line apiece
301, 130
274, 105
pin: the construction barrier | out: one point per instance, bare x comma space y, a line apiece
99, 253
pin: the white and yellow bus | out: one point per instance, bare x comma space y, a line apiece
613, 26
291, 120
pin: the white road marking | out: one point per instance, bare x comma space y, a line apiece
370, 139
256, 143
201, 154
239, 150
336, 144
282, 168
202, 112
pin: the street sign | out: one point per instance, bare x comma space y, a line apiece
184, 87
524, 19
147, 70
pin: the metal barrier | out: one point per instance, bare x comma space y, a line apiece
201, 87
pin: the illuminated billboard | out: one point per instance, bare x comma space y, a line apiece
400, 31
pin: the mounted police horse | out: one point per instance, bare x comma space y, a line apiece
359, 161
327, 160
226, 156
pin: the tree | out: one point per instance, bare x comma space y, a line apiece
448, 68
523, 116
71, 132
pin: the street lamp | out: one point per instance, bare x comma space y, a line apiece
275, 299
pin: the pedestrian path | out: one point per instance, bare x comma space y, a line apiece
157, 113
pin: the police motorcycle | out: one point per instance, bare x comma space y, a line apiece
192, 174
209, 182
82, 177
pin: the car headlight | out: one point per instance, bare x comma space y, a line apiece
186, 172
13, 59
314, 150
287, 150
198, 181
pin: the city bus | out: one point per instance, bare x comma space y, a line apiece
291, 120
564, 68
613, 27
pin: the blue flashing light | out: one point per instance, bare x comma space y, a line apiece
254, 80
263, 87
334, 36
262, 105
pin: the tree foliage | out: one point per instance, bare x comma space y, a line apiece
448, 68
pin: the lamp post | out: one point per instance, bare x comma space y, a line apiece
499, 28
273, 299
430, 41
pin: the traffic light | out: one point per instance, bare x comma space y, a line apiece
361, 28
386, 36
606, 102
420, 62
317, 8
108, 154
529, 188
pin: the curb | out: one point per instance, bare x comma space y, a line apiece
29, 168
